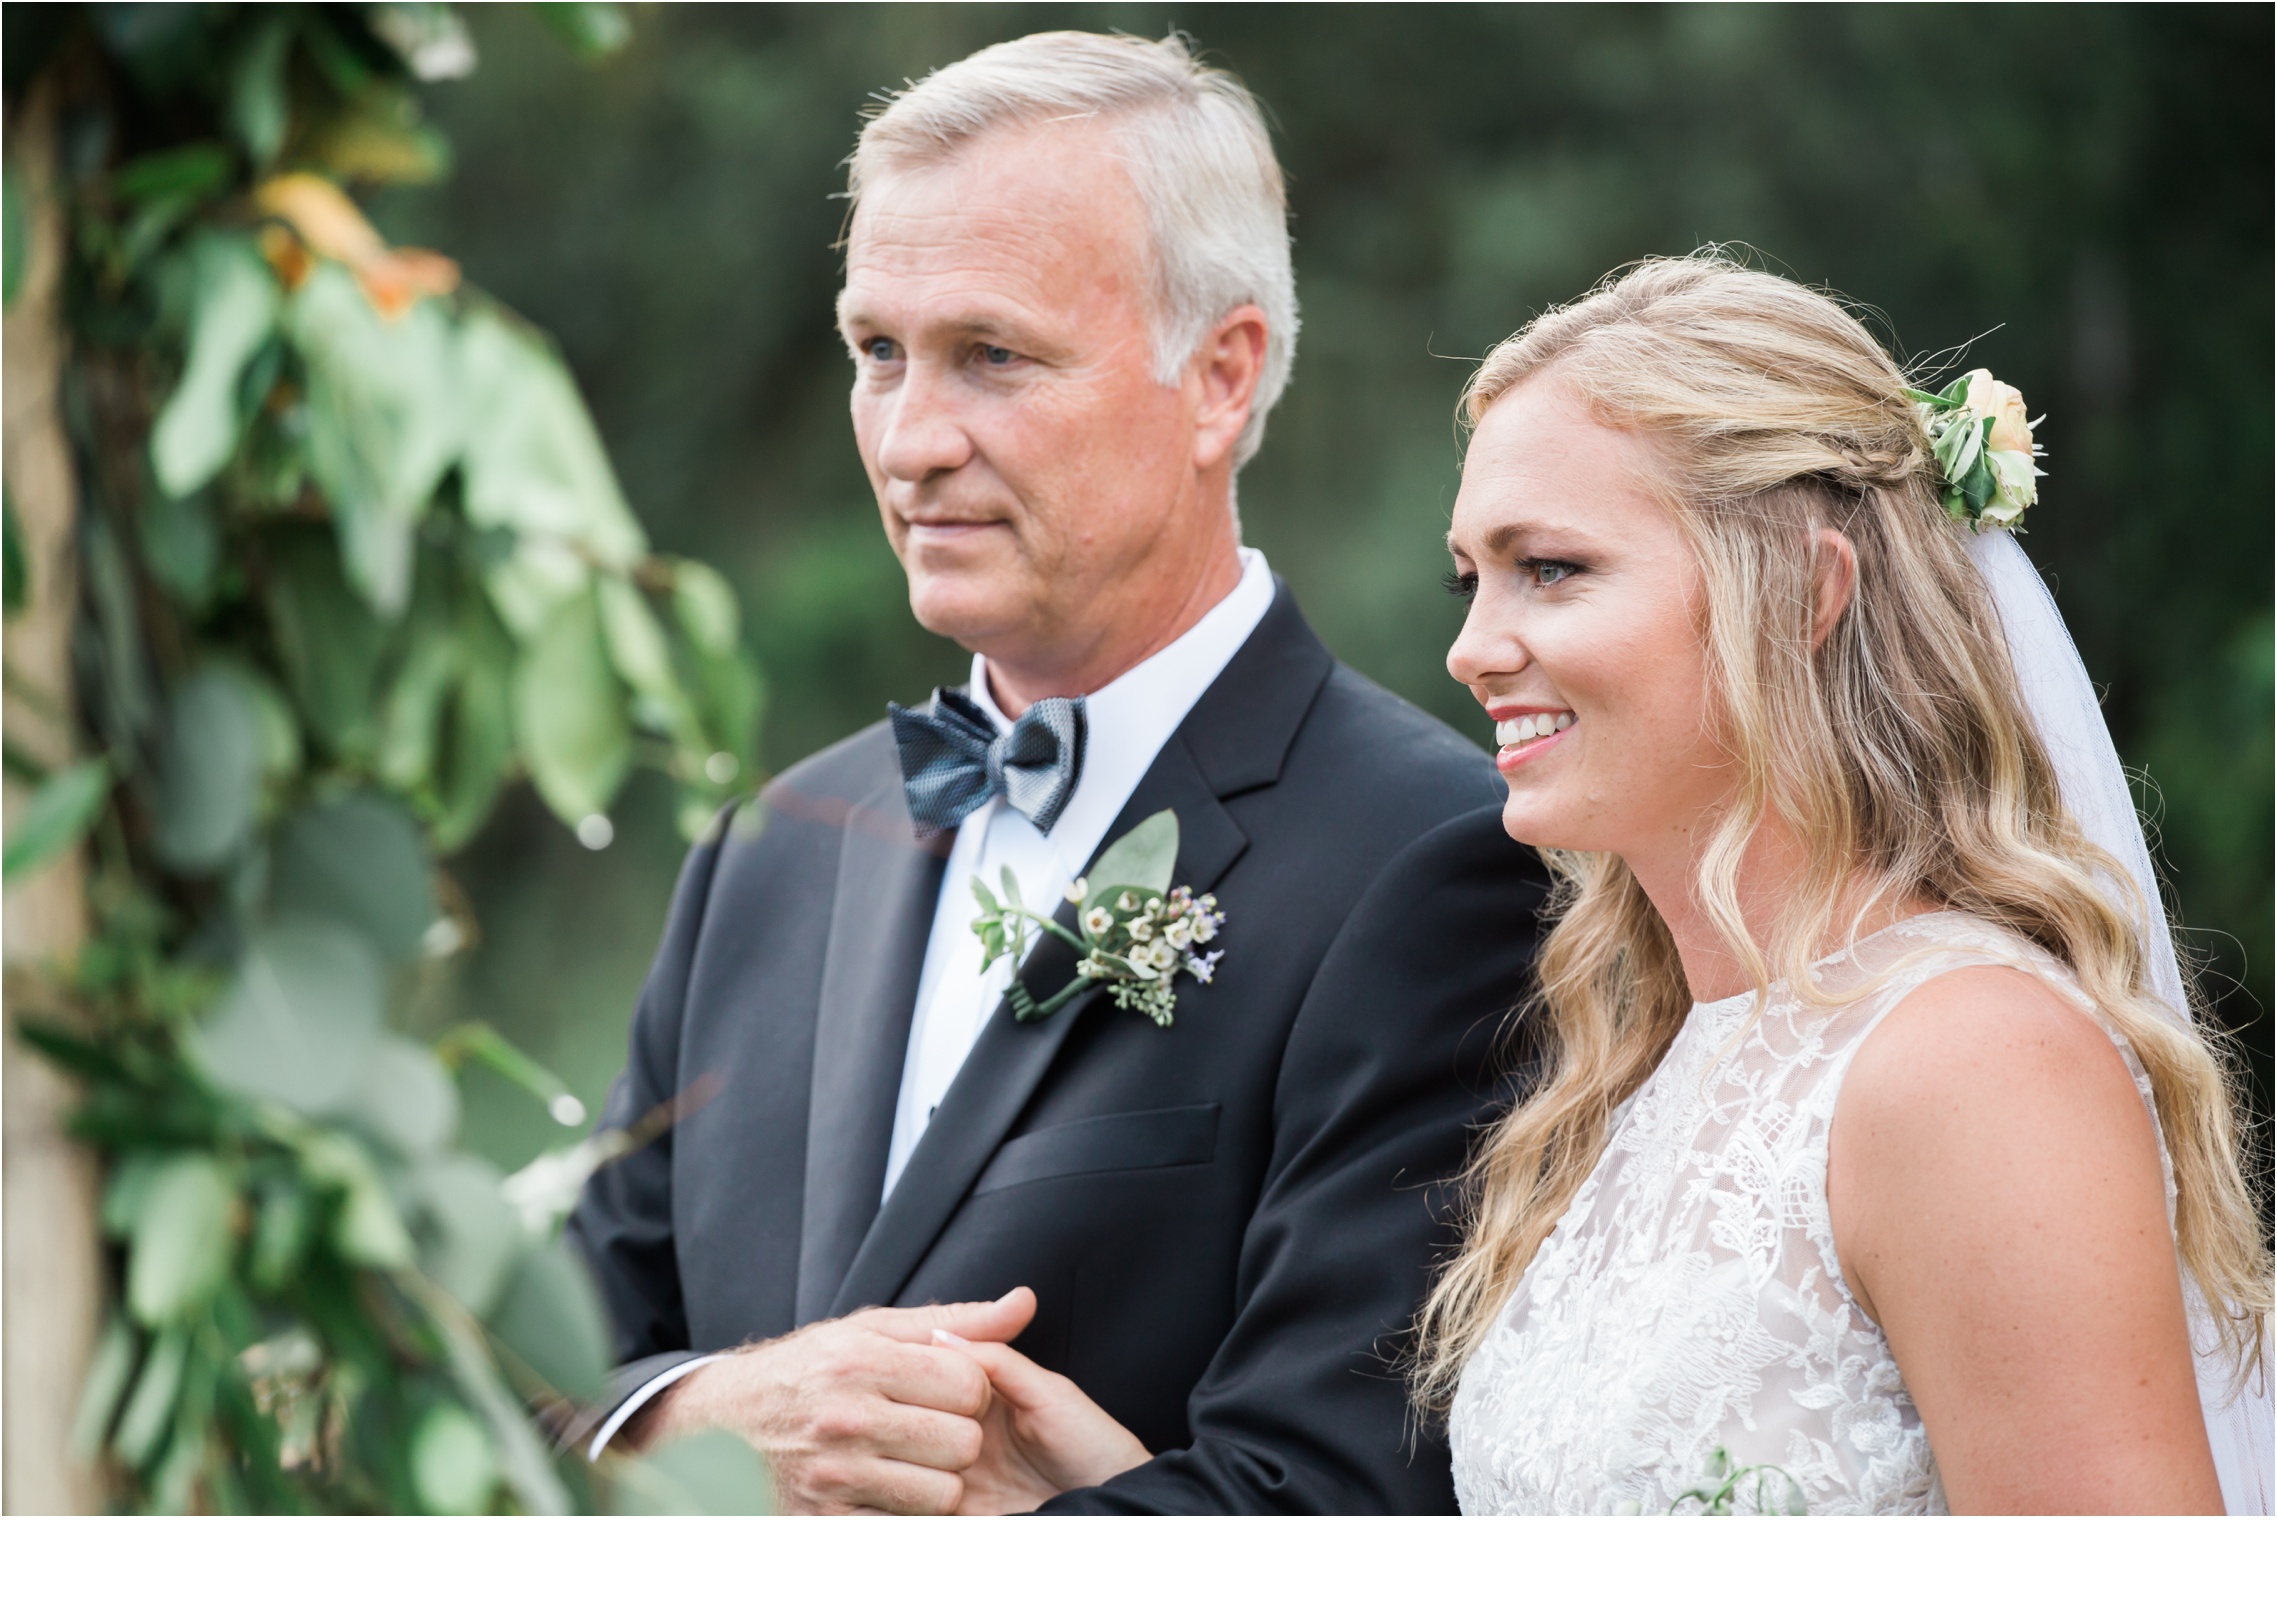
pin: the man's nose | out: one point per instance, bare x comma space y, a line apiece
923, 436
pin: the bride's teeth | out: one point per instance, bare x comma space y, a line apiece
1531, 727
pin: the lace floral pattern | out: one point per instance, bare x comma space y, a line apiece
1691, 1298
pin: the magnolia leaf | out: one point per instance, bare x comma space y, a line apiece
281, 1228
569, 713
258, 110
470, 1233
1142, 857
330, 644
370, 1231
106, 1384
635, 640
710, 1474
412, 716
181, 547
130, 1180
57, 816
522, 1454
406, 1099
210, 764
300, 1024
550, 1320
280, 730
477, 742
528, 584
384, 421
534, 463
182, 1239
151, 1405
358, 860
233, 310
454, 1468
707, 608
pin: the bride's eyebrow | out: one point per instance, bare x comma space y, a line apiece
1527, 538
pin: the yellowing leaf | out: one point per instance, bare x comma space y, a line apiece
322, 215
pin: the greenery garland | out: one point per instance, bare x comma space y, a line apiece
353, 558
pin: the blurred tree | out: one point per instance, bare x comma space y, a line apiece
350, 557
2084, 192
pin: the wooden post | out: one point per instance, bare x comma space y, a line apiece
50, 1261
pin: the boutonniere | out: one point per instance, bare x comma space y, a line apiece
1135, 934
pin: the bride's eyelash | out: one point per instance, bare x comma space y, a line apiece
1461, 584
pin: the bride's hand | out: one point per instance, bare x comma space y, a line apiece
1040, 1436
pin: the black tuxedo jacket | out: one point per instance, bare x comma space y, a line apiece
1229, 1222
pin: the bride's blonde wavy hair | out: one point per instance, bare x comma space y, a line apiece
1898, 750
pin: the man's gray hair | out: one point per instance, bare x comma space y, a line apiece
1195, 143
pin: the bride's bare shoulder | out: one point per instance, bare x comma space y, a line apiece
1987, 1111
1984, 1045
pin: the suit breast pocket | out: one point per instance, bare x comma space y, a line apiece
1168, 1137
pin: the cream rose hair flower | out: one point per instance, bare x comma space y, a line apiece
1981, 435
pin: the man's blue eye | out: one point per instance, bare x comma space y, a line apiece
996, 356
879, 349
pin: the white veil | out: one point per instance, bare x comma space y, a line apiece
2070, 724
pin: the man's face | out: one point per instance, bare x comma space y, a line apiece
1027, 463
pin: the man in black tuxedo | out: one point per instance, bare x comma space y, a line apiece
1069, 303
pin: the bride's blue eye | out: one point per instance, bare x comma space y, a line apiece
1547, 572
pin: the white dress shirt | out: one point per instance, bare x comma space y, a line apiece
1126, 722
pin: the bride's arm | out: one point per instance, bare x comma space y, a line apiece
1994, 1184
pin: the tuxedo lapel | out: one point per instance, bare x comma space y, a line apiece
881, 916
1233, 741
1010, 1059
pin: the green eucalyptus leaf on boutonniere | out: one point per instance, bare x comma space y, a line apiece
1141, 858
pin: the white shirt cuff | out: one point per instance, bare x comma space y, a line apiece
641, 1395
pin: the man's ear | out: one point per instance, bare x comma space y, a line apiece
1223, 376
1835, 564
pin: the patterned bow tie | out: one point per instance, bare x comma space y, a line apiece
953, 761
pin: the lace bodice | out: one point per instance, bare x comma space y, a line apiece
1691, 1298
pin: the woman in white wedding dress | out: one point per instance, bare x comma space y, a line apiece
1866, 1145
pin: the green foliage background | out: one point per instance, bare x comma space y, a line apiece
2086, 191
350, 558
